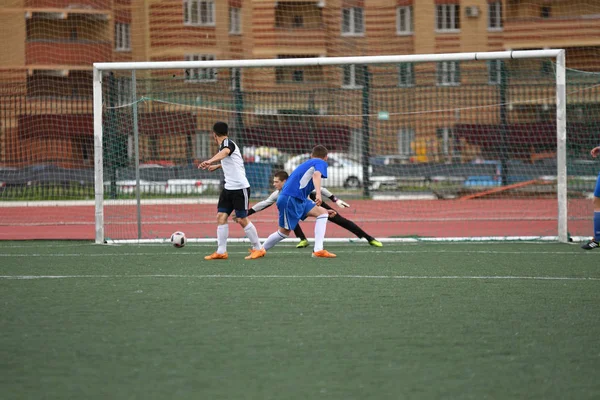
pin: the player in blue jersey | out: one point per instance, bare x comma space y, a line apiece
593, 243
294, 205
279, 180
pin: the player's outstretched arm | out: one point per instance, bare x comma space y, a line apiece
268, 202
595, 151
341, 203
216, 158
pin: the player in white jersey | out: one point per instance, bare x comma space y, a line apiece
234, 195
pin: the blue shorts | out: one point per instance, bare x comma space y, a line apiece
293, 210
597, 190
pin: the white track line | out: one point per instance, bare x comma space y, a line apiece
453, 277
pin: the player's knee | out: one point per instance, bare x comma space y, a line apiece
222, 218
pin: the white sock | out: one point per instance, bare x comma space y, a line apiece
273, 239
320, 228
222, 235
252, 234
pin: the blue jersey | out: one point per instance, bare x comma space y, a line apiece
300, 182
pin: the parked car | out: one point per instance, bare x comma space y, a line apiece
342, 171
389, 159
171, 186
191, 186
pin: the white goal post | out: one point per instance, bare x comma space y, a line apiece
131, 68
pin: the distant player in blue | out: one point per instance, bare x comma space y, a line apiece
294, 205
592, 244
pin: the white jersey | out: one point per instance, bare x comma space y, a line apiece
272, 199
233, 167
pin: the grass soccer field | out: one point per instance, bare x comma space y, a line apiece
407, 321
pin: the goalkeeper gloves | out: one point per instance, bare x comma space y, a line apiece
341, 203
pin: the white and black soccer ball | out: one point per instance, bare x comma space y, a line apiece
178, 239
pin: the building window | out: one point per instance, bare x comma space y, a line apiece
353, 76
199, 12
203, 145
353, 21
122, 37
235, 20
494, 72
446, 146
545, 11
404, 23
406, 75
495, 15
448, 73
289, 75
200, 74
236, 78
547, 67
298, 75
406, 137
124, 91
447, 17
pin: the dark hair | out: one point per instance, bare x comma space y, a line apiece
281, 175
319, 151
220, 128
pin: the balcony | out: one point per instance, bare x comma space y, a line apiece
528, 33
69, 4
66, 53
309, 42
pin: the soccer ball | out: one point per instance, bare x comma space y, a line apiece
178, 239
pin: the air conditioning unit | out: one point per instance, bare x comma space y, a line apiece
472, 11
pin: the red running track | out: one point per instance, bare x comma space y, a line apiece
382, 219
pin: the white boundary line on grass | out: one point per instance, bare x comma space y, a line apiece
177, 252
453, 277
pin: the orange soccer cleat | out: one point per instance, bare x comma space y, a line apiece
323, 254
256, 254
217, 256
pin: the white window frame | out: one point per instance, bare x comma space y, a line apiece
235, 72
404, 20
494, 72
202, 146
350, 15
235, 20
445, 12
495, 13
446, 135
406, 137
124, 95
448, 73
122, 36
352, 78
199, 12
200, 74
409, 80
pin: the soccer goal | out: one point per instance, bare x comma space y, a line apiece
463, 146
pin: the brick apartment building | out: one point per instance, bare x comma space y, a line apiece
49, 47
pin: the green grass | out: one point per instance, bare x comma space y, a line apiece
408, 321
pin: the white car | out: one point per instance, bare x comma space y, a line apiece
342, 171
171, 186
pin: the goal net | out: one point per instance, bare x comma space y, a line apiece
457, 146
